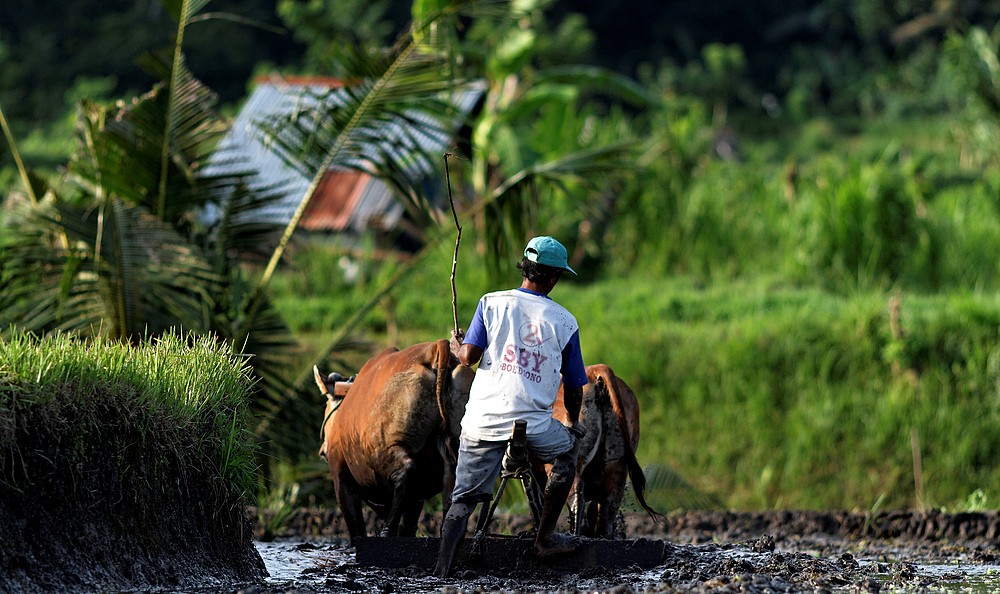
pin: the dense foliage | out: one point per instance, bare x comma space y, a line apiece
782, 221
806, 59
758, 392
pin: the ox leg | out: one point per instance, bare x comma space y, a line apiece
604, 520
401, 480
411, 518
350, 505
590, 523
608, 504
576, 507
450, 458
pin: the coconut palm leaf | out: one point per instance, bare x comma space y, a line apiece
512, 205
40, 287
534, 150
670, 491
49, 288
600, 81
383, 94
21, 169
125, 143
348, 128
149, 262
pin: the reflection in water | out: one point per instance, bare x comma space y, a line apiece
302, 562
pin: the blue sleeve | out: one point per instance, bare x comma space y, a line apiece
573, 372
476, 334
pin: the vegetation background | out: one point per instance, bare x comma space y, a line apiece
785, 220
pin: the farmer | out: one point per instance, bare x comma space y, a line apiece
523, 341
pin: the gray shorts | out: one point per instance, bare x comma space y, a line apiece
479, 461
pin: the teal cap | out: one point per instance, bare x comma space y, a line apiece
547, 251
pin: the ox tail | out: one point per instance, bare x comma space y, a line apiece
443, 358
635, 473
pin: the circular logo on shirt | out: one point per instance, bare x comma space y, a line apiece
530, 334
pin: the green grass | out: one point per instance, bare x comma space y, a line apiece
757, 326
768, 394
775, 398
195, 386
121, 452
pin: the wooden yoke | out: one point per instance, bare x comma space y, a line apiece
339, 388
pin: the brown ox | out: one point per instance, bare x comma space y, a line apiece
390, 441
610, 412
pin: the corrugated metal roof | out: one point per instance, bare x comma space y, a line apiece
345, 200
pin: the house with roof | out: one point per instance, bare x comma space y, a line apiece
347, 203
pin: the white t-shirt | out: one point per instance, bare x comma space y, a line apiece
519, 374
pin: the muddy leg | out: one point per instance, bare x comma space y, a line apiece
450, 457
350, 505
604, 521
610, 500
590, 525
411, 518
576, 507
556, 490
401, 479
452, 530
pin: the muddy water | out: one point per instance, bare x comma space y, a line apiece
818, 563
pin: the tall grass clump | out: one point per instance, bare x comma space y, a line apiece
125, 452
963, 218
857, 224
187, 379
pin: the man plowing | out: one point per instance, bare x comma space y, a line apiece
524, 343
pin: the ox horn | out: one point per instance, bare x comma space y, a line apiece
320, 381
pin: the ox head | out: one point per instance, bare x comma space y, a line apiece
333, 402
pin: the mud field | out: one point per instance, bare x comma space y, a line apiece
718, 552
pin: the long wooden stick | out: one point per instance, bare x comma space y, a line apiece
918, 473
458, 239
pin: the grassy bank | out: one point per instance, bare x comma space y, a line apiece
762, 392
123, 466
777, 397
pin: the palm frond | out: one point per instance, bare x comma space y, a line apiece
510, 206
670, 491
600, 81
413, 79
146, 281
328, 129
126, 141
152, 278
42, 288
22, 170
